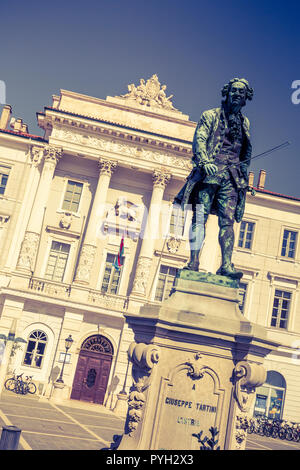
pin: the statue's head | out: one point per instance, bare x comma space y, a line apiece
236, 92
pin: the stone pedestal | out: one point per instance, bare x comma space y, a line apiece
196, 363
58, 392
121, 406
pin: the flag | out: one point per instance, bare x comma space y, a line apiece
118, 263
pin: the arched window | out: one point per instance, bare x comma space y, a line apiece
270, 396
35, 351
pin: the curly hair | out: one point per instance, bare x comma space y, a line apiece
249, 90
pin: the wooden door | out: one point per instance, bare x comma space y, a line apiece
92, 374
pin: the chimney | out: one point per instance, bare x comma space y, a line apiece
5, 116
251, 179
55, 101
24, 128
18, 125
261, 179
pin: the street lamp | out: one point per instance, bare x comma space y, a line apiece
68, 344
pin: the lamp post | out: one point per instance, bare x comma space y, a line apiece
68, 344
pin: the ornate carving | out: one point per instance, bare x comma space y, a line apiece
161, 178
143, 357
195, 368
246, 378
52, 154
130, 150
66, 220
124, 217
28, 252
150, 93
142, 274
173, 244
86, 260
106, 166
36, 155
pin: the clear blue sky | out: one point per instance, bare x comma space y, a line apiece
98, 47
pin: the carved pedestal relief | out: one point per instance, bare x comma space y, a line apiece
246, 378
143, 358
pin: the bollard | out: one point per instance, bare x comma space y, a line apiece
10, 438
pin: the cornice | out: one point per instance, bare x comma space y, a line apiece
127, 153
54, 117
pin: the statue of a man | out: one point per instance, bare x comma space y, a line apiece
219, 179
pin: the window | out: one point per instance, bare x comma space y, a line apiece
165, 282
72, 196
177, 221
35, 351
57, 261
281, 308
246, 235
4, 173
289, 244
112, 276
242, 295
270, 397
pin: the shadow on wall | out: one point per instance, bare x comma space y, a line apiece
111, 389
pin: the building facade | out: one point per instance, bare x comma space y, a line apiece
104, 173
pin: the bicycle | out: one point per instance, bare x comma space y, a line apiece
30, 386
12, 383
17, 385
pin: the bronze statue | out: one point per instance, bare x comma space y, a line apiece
219, 180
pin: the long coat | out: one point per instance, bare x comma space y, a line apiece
207, 143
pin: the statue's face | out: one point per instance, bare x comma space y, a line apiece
237, 95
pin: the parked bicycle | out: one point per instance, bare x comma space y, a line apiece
17, 385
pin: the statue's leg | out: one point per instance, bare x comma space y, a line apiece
227, 200
201, 210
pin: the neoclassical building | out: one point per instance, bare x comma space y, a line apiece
105, 172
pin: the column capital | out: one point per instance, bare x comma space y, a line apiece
52, 154
107, 167
36, 154
161, 178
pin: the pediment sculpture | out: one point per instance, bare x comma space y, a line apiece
150, 93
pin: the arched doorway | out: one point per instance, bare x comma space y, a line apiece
93, 368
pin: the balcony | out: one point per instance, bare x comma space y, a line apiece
71, 292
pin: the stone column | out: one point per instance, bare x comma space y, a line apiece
88, 250
32, 177
28, 252
160, 180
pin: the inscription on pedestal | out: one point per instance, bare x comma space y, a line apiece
190, 402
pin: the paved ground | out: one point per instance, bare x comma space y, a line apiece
81, 426
49, 426
256, 442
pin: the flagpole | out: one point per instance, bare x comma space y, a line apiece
159, 260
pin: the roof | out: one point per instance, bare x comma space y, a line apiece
272, 193
24, 134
